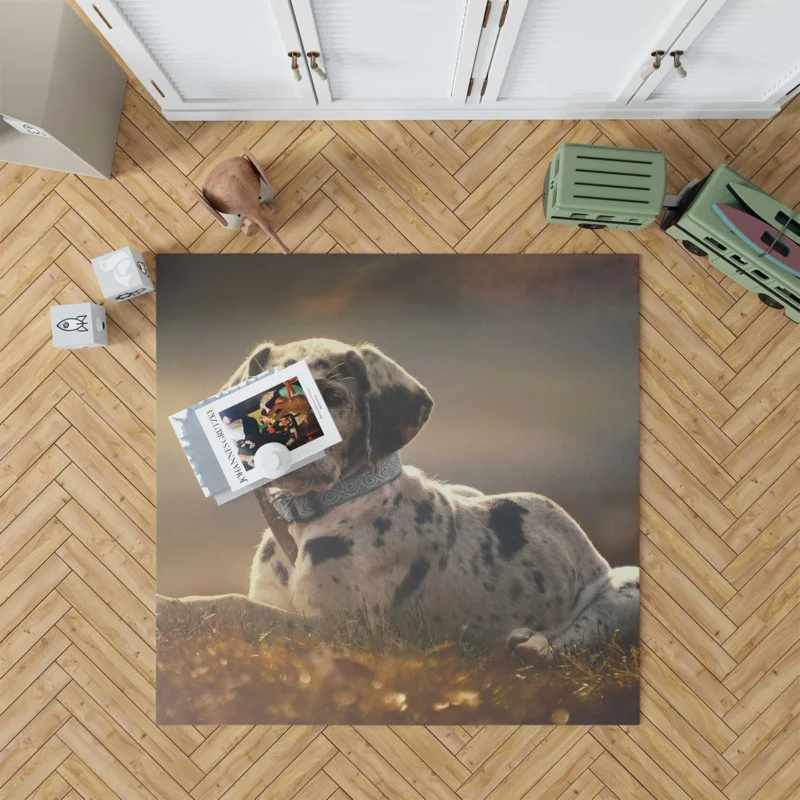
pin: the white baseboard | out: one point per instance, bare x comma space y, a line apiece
650, 111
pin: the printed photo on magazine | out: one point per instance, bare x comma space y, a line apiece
285, 407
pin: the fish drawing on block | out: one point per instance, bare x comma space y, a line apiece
77, 324
763, 238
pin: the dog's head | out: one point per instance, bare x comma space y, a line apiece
376, 405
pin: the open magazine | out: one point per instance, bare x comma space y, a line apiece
222, 435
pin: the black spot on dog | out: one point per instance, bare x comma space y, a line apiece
516, 590
438, 520
268, 551
527, 562
632, 584
281, 573
505, 519
321, 363
494, 619
475, 569
324, 548
443, 563
419, 531
451, 532
531, 622
489, 587
335, 579
539, 578
412, 581
486, 552
424, 512
398, 498
479, 617
381, 526
437, 617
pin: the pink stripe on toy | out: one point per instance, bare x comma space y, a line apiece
764, 239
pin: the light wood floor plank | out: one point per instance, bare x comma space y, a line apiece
16, 281
28, 232
415, 211
142, 114
685, 737
31, 702
12, 176
419, 161
437, 143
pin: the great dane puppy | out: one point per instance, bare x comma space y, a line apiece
514, 567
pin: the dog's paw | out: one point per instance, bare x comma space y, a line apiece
524, 643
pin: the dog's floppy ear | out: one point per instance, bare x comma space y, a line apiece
256, 362
396, 405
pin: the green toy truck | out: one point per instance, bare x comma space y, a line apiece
605, 187
702, 232
613, 187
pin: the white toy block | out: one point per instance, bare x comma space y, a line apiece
122, 274
79, 325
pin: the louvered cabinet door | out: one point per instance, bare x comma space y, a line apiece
735, 50
382, 55
207, 54
558, 55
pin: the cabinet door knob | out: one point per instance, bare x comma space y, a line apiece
313, 56
296, 74
657, 56
676, 59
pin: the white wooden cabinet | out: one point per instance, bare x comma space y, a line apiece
406, 59
208, 57
574, 54
733, 51
415, 53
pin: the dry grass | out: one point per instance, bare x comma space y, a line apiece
223, 669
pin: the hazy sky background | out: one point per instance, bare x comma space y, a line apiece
551, 341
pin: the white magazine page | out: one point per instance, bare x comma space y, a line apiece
285, 407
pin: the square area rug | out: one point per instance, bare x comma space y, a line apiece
468, 553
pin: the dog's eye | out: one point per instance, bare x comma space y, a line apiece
332, 397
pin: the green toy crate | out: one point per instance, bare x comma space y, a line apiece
605, 187
699, 228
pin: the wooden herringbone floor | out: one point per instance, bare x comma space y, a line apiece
720, 471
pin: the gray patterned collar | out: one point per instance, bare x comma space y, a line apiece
308, 506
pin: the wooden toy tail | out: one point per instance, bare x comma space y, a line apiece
270, 231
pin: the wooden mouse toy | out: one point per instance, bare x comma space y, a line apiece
236, 192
